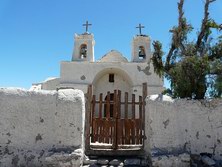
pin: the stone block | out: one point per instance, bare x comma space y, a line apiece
102, 161
115, 162
207, 160
132, 161
185, 157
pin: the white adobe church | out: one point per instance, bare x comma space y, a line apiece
112, 72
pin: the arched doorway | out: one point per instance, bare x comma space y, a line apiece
111, 79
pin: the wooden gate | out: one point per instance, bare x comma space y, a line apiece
115, 123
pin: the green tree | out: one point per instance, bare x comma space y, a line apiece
192, 67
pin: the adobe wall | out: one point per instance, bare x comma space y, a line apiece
184, 125
34, 124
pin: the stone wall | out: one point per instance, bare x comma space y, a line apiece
34, 124
184, 126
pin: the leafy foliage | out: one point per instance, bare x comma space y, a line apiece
190, 65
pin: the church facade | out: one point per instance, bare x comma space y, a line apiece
112, 72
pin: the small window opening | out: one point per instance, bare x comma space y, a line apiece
111, 77
83, 51
142, 54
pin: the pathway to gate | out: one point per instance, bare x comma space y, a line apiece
115, 123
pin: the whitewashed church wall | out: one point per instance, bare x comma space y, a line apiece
51, 84
185, 125
138, 73
34, 124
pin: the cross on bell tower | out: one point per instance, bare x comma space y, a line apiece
84, 46
140, 28
87, 25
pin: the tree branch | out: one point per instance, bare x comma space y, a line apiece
176, 36
204, 26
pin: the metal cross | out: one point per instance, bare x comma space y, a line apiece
87, 25
140, 28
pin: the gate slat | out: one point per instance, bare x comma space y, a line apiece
118, 102
106, 131
101, 131
94, 131
100, 125
108, 106
123, 131
88, 121
115, 114
119, 122
133, 129
136, 131
126, 105
118, 139
92, 117
137, 128
144, 103
140, 127
133, 106
100, 105
132, 121
127, 131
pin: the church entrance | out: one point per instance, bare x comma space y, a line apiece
116, 121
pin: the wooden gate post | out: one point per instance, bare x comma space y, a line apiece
114, 144
144, 104
88, 118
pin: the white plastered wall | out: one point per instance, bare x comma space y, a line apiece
184, 125
34, 123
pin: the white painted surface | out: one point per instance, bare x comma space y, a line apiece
143, 41
79, 73
187, 125
34, 122
88, 40
113, 56
160, 97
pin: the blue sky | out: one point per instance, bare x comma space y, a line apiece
35, 35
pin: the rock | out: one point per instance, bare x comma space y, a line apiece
65, 164
194, 165
94, 165
121, 164
144, 162
182, 160
102, 161
132, 162
185, 157
77, 152
89, 161
93, 157
218, 163
115, 162
207, 160
64, 160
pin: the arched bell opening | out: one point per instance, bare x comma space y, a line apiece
83, 51
142, 53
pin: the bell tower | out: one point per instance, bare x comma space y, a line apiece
141, 51
84, 46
